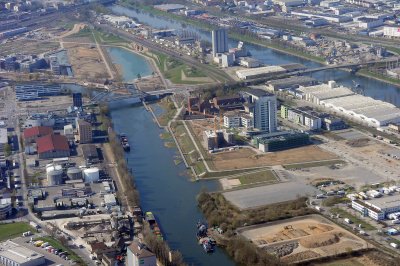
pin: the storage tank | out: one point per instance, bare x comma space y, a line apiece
91, 175
74, 173
54, 175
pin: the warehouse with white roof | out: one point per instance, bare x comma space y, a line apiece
260, 72
321, 92
357, 107
365, 109
12, 254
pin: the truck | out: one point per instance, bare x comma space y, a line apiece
320, 196
347, 220
396, 221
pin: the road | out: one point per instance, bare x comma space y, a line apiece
211, 72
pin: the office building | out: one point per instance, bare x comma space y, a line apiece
263, 105
84, 131
139, 255
280, 141
12, 254
77, 99
219, 40
377, 208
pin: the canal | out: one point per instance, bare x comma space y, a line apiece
165, 188
129, 63
370, 87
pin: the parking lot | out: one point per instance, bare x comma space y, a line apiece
265, 195
51, 259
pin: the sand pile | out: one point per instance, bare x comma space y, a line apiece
322, 240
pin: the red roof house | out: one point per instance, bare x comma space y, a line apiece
52, 146
31, 134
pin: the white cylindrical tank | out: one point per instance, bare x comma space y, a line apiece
332, 84
91, 175
74, 173
54, 175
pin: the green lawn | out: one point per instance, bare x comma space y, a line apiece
264, 176
56, 244
172, 69
12, 230
356, 221
103, 37
312, 164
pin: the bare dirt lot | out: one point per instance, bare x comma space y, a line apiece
24, 46
304, 238
248, 158
86, 61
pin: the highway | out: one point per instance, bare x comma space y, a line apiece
211, 72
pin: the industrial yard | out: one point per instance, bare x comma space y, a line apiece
303, 238
86, 61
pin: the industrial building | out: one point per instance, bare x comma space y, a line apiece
33, 133
228, 102
5, 207
89, 152
139, 255
52, 146
391, 32
290, 83
77, 99
3, 138
30, 92
321, 92
12, 254
378, 208
364, 109
219, 41
280, 141
85, 134
260, 72
170, 7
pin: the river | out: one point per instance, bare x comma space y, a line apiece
373, 88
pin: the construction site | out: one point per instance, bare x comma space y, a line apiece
303, 239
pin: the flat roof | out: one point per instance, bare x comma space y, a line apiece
259, 70
324, 91
3, 136
17, 253
385, 201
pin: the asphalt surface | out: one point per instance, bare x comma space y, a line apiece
269, 194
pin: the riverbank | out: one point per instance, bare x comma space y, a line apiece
129, 195
232, 35
366, 73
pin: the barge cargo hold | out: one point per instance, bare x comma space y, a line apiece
155, 228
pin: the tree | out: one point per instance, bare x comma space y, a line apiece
7, 150
139, 76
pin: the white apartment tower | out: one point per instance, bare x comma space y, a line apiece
264, 109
